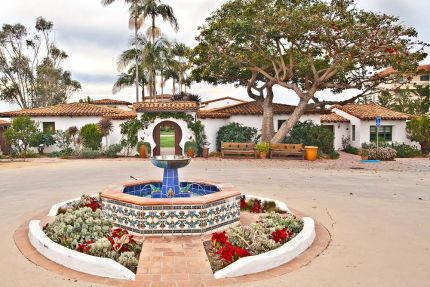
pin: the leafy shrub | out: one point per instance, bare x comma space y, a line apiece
406, 151
351, 149
310, 134
41, 141
383, 153
25, 154
88, 153
418, 130
235, 132
21, 133
129, 132
91, 136
191, 145
263, 147
113, 150
333, 154
64, 142
129, 260
79, 226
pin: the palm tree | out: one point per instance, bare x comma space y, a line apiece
127, 79
179, 63
136, 22
152, 55
153, 9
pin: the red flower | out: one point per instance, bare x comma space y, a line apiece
85, 247
280, 236
257, 208
243, 203
219, 237
232, 253
93, 204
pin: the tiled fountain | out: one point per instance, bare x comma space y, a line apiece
171, 207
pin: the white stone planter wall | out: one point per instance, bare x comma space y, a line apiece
279, 204
75, 260
273, 258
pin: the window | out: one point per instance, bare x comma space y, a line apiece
425, 78
280, 123
49, 127
385, 133
353, 133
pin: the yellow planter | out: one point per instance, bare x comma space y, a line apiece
311, 152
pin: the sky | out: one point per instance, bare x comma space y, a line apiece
94, 36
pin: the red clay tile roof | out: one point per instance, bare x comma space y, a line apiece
4, 123
72, 110
212, 115
252, 108
110, 102
371, 111
178, 106
391, 70
224, 98
333, 118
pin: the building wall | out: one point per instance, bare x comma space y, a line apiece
63, 123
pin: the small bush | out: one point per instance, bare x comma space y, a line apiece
25, 154
350, 149
334, 154
235, 132
263, 147
88, 153
91, 136
406, 151
113, 150
310, 134
383, 153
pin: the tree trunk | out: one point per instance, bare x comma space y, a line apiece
267, 128
425, 147
143, 92
136, 47
292, 120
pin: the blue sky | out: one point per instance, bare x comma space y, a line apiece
94, 36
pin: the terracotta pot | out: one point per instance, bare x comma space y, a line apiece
263, 155
364, 156
142, 151
205, 152
190, 152
311, 153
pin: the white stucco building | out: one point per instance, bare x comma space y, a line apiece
355, 121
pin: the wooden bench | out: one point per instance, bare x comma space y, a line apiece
238, 150
286, 150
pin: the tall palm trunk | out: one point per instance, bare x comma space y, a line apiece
267, 129
136, 46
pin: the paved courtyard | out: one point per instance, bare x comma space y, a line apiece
378, 215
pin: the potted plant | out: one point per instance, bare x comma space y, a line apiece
141, 149
190, 148
364, 154
263, 149
206, 149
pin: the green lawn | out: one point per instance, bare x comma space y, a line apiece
167, 139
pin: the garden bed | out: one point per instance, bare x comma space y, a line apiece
276, 238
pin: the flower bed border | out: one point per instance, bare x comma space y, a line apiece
75, 260
273, 258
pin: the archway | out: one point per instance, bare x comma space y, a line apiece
167, 137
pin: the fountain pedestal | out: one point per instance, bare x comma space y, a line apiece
171, 186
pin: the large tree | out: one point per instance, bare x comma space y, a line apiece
414, 101
30, 67
304, 46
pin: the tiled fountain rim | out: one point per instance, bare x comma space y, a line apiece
115, 192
